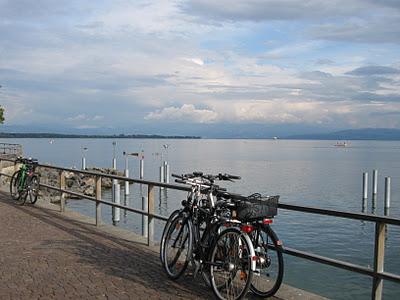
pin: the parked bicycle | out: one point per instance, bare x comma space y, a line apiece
25, 182
222, 236
224, 257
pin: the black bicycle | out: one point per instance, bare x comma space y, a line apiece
252, 214
203, 233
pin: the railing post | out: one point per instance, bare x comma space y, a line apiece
62, 187
379, 255
150, 210
98, 197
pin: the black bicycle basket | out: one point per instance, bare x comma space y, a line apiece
257, 207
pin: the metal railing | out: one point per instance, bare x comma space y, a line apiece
377, 272
6, 148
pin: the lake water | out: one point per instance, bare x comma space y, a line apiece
312, 173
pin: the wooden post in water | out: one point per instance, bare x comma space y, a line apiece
374, 188
62, 187
98, 197
150, 210
379, 255
387, 195
365, 191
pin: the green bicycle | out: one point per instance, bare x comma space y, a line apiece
25, 182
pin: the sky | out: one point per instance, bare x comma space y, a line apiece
197, 66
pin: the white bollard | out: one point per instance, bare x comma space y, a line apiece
387, 193
365, 185
83, 163
141, 163
162, 173
117, 200
166, 170
126, 182
114, 163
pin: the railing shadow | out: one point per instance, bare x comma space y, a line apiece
110, 254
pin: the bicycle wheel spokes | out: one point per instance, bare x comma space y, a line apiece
33, 189
231, 266
269, 265
177, 247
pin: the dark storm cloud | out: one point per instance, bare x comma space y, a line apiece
374, 70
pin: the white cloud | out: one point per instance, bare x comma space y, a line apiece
187, 112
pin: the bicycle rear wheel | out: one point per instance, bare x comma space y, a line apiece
33, 189
269, 264
230, 265
178, 246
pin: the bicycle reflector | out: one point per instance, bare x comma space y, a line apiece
267, 221
247, 228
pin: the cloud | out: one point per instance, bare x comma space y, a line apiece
374, 70
364, 29
187, 113
84, 117
264, 10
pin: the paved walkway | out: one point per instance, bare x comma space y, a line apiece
45, 255
48, 255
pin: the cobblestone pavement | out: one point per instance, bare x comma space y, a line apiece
44, 255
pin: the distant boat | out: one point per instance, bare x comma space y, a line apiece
275, 137
341, 144
51, 141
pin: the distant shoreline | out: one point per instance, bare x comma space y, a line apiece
6, 135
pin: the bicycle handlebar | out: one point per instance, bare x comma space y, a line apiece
210, 177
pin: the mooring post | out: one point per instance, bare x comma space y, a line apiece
374, 188
62, 187
141, 165
126, 175
166, 170
162, 173
117, 200
98, 197
150, 210
379, 255
387, 195
365, 190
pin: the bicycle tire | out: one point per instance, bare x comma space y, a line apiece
176, 265
14, 182
33, 189
173, 215
230, 255
270, 266
19, 192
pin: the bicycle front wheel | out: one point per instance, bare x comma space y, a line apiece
14, 184
230, 265
18, 188
269, 264
171, 218
178, 245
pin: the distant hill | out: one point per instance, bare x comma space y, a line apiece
386, 134
84, 136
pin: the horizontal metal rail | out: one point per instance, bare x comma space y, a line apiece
131, 209
341, 214
377, 273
